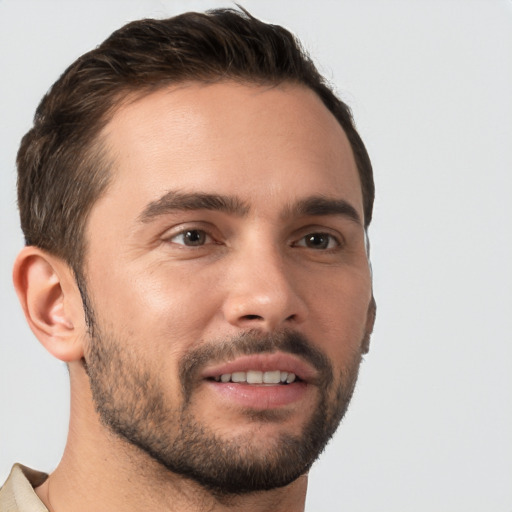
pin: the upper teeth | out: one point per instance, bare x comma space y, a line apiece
257, 377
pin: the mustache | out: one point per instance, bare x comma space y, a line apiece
250, 343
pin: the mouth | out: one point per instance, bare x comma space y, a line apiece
261, 381
276, 368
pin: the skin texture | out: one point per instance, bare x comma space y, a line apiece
265, 262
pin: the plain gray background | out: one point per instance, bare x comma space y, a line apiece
430, 82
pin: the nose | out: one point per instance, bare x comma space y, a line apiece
262, 292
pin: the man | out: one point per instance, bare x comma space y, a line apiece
194, 201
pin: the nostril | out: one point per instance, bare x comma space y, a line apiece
252, 317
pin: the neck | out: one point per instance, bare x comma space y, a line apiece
100, 471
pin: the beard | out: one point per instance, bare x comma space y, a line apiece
131, 402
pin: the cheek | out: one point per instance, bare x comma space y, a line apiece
341, 313
165, 311
154, 320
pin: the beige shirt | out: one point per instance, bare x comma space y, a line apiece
18, 495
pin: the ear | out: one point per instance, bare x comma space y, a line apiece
51, 302
370, 322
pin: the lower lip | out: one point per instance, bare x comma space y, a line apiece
259, 397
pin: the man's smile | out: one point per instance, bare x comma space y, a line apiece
261, 381
271, 368
268, 362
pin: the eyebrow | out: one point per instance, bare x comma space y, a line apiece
315, 206
179, 201
318, 206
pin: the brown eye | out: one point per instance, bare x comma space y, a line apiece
191, 238
318, 241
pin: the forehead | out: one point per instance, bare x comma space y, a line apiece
227, 138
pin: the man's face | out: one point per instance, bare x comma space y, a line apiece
229, 282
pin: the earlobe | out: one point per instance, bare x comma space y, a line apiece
48, 296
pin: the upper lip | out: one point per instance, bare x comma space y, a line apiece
263, 362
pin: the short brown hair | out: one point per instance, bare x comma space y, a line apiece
62, 169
